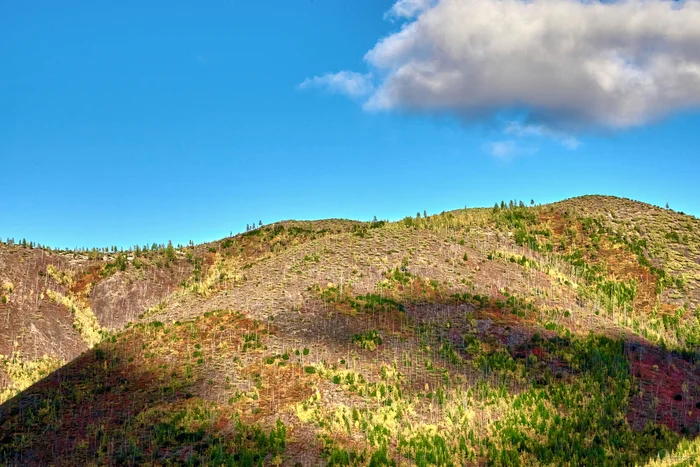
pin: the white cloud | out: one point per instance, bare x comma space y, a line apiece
571, 143
345, 82
502, 149
508, 149
408, 8
518, 129
564, 65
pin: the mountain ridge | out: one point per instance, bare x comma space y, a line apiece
525, 293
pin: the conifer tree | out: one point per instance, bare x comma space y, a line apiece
170, 251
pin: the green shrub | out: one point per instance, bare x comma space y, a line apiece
368, 340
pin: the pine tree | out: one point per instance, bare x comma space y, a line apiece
170, 251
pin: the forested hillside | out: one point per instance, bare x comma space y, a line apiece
519, 334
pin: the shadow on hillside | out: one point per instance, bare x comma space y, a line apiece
66, 413
479, 342
91, 409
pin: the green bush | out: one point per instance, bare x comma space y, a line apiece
368, 340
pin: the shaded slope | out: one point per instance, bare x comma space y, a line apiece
452, 377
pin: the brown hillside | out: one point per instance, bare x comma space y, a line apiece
564, 334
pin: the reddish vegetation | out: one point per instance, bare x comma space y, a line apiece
285, 386
555, 220
619, 262
83, 279
623, 265
668, 390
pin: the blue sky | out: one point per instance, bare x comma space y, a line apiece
124, 124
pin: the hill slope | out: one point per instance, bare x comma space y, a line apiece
543, 335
